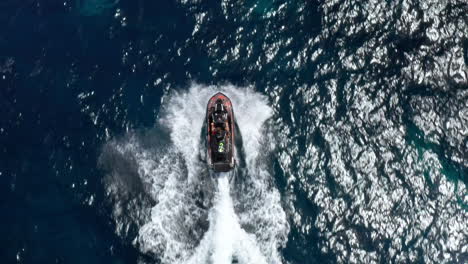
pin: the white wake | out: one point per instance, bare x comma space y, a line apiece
226, 239
198, 217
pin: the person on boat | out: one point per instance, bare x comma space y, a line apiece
219, 119
216, 129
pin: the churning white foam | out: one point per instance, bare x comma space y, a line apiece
197, 217
225, 238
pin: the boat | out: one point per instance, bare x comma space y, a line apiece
220, 133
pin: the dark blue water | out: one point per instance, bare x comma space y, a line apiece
369, 122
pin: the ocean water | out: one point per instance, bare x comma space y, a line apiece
352, 117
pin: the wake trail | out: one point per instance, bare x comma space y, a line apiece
226, 239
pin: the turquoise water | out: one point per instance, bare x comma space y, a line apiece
352, 120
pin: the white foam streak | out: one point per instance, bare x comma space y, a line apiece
225, 238
225, 224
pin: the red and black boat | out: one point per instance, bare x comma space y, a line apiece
220, 133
